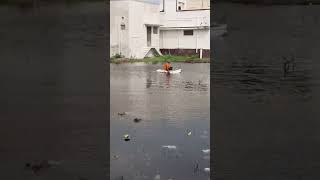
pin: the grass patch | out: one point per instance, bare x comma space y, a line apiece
161, 59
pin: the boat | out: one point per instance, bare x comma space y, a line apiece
176, 71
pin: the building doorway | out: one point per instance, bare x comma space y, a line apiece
148, 36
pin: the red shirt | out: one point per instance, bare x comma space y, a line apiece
166, 66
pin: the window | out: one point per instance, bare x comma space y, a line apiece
188, 32
192, 5
123, 27
155, 30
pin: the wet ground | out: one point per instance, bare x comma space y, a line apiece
265, 93
52, 95
174, 112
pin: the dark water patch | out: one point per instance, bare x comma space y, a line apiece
265, 102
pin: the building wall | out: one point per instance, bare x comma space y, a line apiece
175, 39
140, 14
173, 18
132, 42
119, 43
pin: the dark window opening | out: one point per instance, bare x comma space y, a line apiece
188, 32
123, 27
155, 30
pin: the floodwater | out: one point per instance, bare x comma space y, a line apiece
53, 94
266, 111
170, 107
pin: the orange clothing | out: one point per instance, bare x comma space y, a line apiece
166, 66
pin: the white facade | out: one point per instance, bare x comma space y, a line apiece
130, 21
193, 15
138, 26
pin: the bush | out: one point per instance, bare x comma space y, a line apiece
116, 56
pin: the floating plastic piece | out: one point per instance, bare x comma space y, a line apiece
170, 146
207, 169
126, 137
206, 151
189, 133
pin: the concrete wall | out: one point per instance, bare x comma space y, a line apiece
119, 38
173, 18
132, 42
175, 39
195, 4
140, 14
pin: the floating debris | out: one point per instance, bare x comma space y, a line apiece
206, 151
116, 157
122, 113
136, 120
207, 170
170, 146
189, 133
126, 137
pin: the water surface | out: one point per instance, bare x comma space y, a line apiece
170, 107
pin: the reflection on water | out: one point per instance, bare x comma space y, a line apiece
170, 107
266, 79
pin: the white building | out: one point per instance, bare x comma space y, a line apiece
139, 28
186, 27
134, 28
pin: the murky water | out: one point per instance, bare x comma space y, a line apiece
170, 107
53, 97
265, 91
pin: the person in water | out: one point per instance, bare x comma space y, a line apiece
167, 66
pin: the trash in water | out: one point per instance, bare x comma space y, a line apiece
207, 169
126, 137
136, 120
157, 177
206, 151
116, 157
189, 133
170, 146
122, 113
